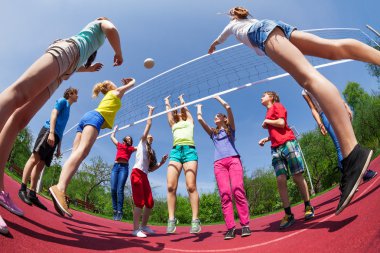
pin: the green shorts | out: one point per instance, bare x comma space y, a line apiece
287, 159
183, 154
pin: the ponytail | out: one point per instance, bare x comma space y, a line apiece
239, 12
102, 87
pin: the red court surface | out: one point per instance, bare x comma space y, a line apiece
356, 229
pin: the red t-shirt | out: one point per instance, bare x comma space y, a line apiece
124, 151
279, 136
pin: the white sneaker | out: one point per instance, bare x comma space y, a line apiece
148, 230
138, 233
3, 227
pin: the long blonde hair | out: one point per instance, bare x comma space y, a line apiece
102, 87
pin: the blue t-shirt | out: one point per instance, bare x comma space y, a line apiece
224, 145
63, 108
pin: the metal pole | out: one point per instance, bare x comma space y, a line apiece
303, 158
373, 30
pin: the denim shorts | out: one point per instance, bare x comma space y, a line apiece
287, 159
260, 31
183, 154
92, 118
66, 53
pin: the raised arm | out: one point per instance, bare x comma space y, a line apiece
127, 84
188, 114
169, 114
315, 113
158, 165
148, 123
203, 123
93, 68
113, 37
221, 38
114, 140
230, 115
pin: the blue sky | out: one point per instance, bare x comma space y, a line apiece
173, 32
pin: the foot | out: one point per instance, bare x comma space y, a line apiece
245, 231
171, 226
354, 167
24, 197
369, 174
287, 221
147, 230
3, 227
114, 215
230, 234
60, 199
119, 216
309, 212
195, 226
36, 202
56, 207
138, 233
7, 203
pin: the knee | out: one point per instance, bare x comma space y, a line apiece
172, 189
225, 198
191, 188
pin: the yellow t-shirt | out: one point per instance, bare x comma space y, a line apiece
108, 108
183, 133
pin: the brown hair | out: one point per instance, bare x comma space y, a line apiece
176, 115
125, 140
151, 155
239, 12
69, 91
102, 87
274, 95
216, 130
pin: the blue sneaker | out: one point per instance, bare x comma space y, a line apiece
119, 216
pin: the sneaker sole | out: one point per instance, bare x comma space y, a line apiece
56, 207
21, 214
58, 204
245, 235
197, 232
172, 232
353, 191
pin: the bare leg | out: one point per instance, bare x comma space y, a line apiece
290, 58
174, 170
32, 162
36, 175
35, 80
191, 185
18, 121
311, 44
145, 217
87, 140
136, 217
283, 190
302, 186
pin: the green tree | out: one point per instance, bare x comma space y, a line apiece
21, 149
355, 95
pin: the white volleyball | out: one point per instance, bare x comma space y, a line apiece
149, 63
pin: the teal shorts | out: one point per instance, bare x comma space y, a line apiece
183, 154
287, 159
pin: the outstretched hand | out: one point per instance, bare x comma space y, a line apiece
151, 108
95, 67
117, 60
115, 128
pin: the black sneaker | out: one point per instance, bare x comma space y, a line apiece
230, 234
36, 202
354, 167
368, 175
245, 231
24, 197
287, 221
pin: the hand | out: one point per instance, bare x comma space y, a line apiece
95, 67
115, 128
217, 97
164, 158
117, 60
167, 98
151, 108
199, 106
58, 153
181, 96
323, 129
211, 49
264, 124
262, 141
51, 139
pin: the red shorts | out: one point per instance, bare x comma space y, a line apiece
141, 191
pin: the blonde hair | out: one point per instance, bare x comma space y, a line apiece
274, 95
239, 12
102, 87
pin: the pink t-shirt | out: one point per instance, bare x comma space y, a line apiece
124, 151
279, 136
